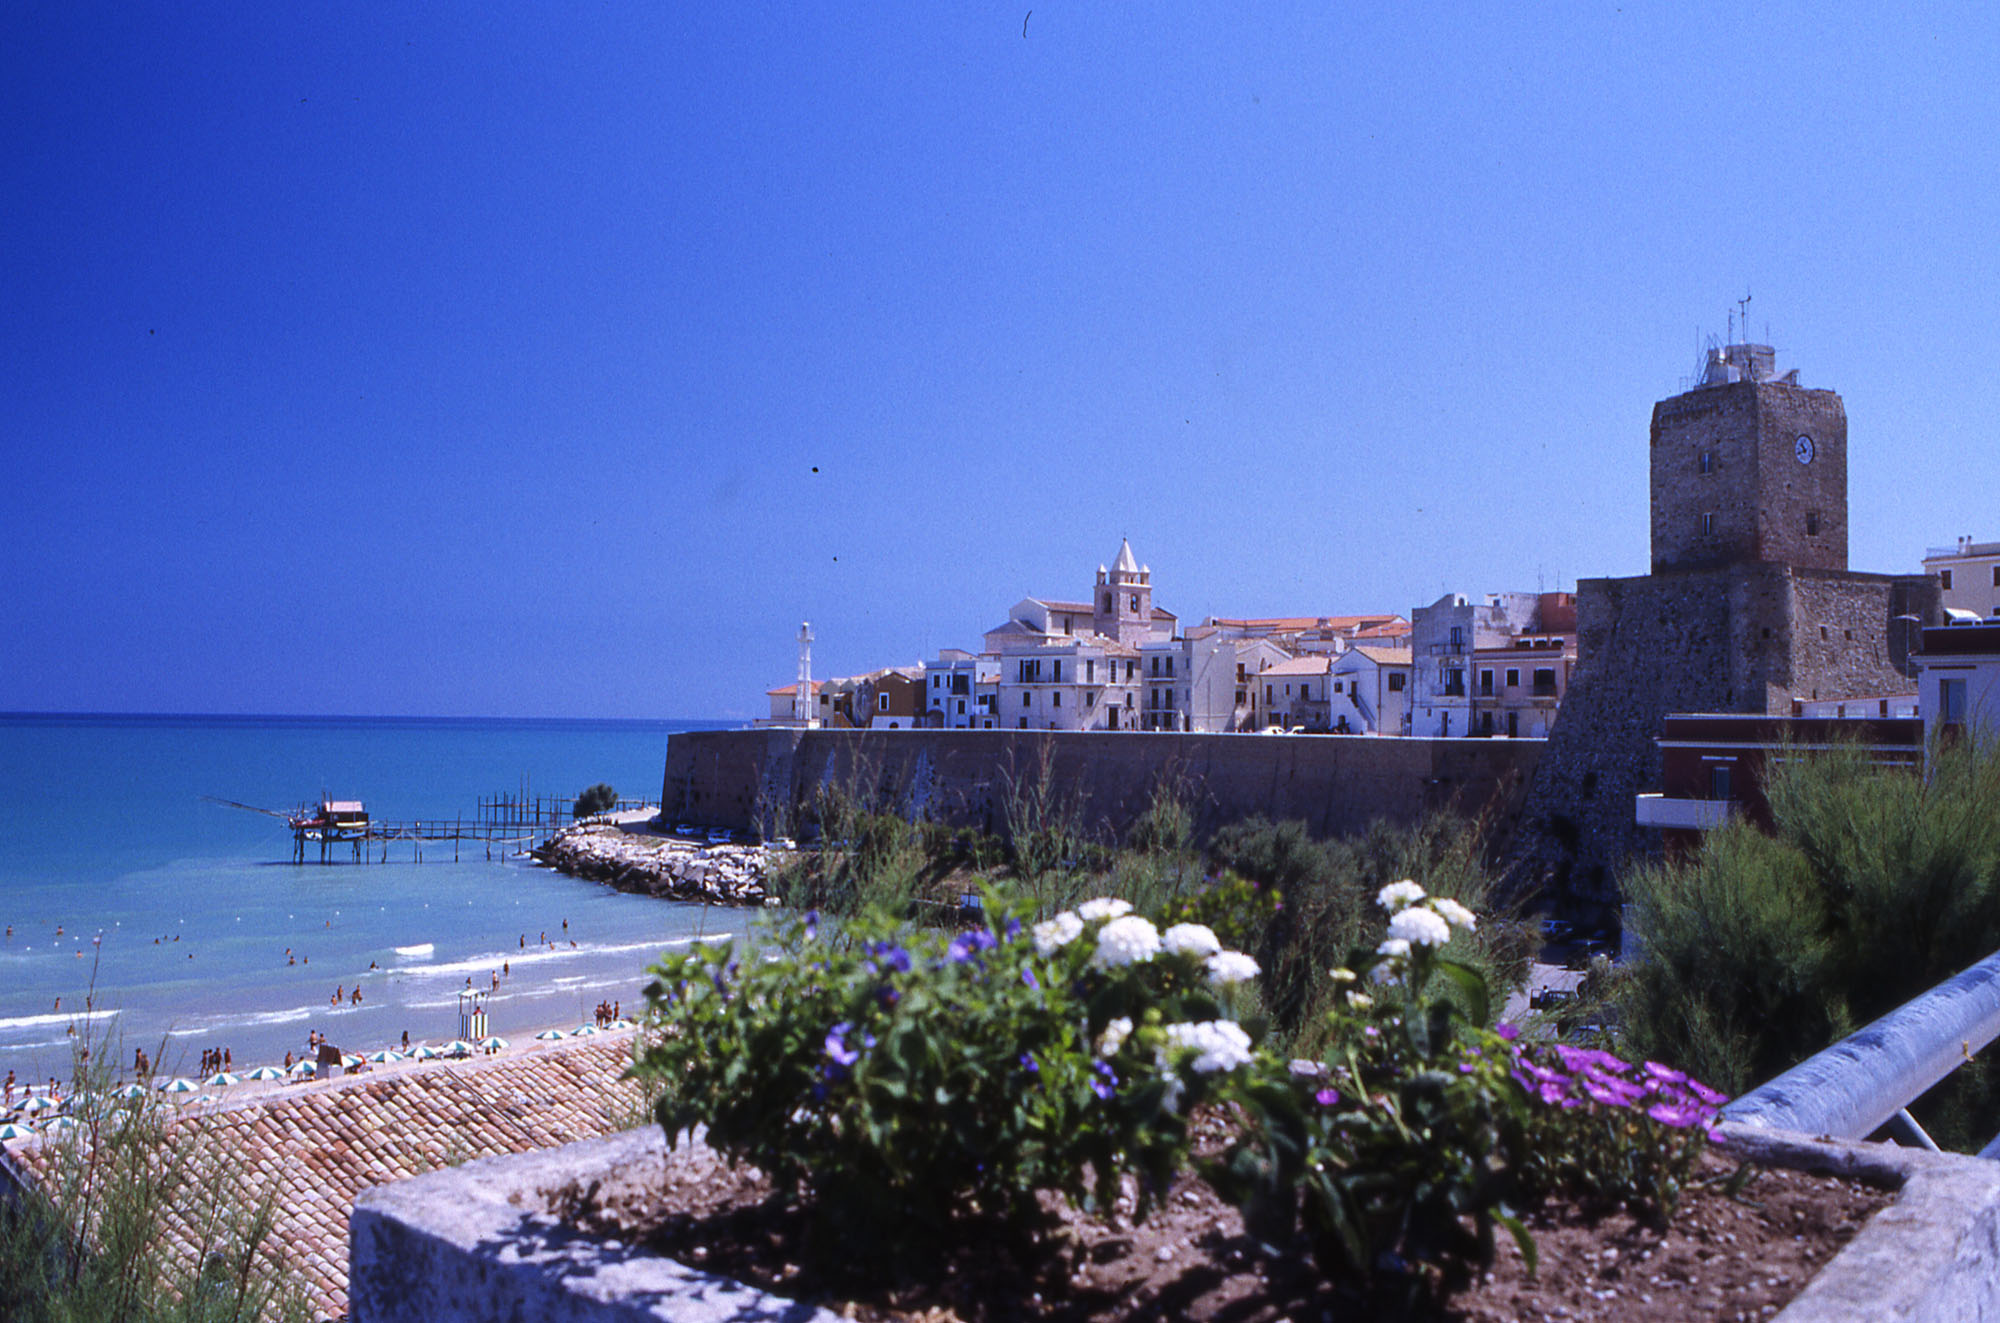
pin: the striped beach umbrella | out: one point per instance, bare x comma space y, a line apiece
350, 1060
457, 1047
37, 1103
583, 1031
425, 1052
385, 1056
303, 1070
179, 1085
222, 1079
10, 1131
493, 1044
57, 1125
550, 1034
129, 1091
265, 1073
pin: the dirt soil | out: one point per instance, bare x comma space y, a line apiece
1724, 1257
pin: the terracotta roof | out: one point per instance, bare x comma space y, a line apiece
1300, 666
791, 688
320, 1145
1299, 624
1383, 656
1388, 629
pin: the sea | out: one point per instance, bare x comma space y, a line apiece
140, 913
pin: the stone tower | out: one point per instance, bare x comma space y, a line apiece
1747, 468
1749, 607
1123, 605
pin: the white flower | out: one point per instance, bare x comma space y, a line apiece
1341, 975
1420, 926
1306, 1068
1219, 1045
1104, 907
1455, 914
1396, 948
1399, 895
1125, 940
1360, 1001
1114, 1036
1053, 934
1227, 967
1192, 939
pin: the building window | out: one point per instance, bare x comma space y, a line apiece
1996, 576
1720, 782
1708, 525
1024, 700
1058, 670
1395, 682
1055, 699
881, 702
1128, 702
1707, 461
937, 681
1135, 604
1486, 684
1090, 700
1131, 669
1513, 724
1545, 682
1024, 723
1458, 638
1170, 666
1089, 670
1513, 678
1951, 702
1812, 523
961, 707
1944, 579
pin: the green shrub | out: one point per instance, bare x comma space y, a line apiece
600, 798
905, 1086
1874, 885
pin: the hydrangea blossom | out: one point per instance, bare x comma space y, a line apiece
1455, 914
1114, 1036
1126, 940
1052, 935
1219, 1045
1399, 895
1227, 967
1104, 907
1420, 926
1396, 948
1193, 939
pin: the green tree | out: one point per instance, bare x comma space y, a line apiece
600, 798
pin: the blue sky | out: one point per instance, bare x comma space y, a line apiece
553, 360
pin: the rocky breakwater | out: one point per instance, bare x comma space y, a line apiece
663, 866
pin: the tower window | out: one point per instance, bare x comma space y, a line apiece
1708, 525
1944, 579
1996, 576
1812, 523
1708, 461
1135, 603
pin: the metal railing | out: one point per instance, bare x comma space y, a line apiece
1868, 1080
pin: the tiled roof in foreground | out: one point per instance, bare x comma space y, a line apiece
322, 1144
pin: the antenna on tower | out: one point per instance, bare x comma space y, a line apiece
1743, 314
802, 695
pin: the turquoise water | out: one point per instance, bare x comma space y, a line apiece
176, 914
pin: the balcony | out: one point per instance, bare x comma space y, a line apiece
1656, 810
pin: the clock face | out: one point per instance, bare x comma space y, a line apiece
1803, 448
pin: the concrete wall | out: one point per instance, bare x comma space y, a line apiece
755, 780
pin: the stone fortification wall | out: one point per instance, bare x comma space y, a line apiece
757, 780
1742, 638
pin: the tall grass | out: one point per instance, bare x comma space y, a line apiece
139, 1218
1875, 884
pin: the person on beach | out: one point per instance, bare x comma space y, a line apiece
506, 969
288, 1060
406, 1040
355, 999
9, 1098
225, 1058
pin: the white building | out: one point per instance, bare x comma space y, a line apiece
1958, 679
1968, 576
959, 691
1298, 693
1371, 690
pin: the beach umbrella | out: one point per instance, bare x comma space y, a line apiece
384, 1056
583, 1031
179, 1084
129, 1091
56, 1125
265, 1073
303, 1070
12, 1131
547, 1034
493, 1044
457, 1047
424, 1052
222, 1079
37, 1103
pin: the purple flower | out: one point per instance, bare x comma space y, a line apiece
890, 958
1326, 1097
1706, 1094
812, 925
1666, 1074
1028, 1064
1678, 1116
1028, 977
888, 996
1371, 1031
1106, 1082
966, 946
1013, 929
837, 1049
1510, 1032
